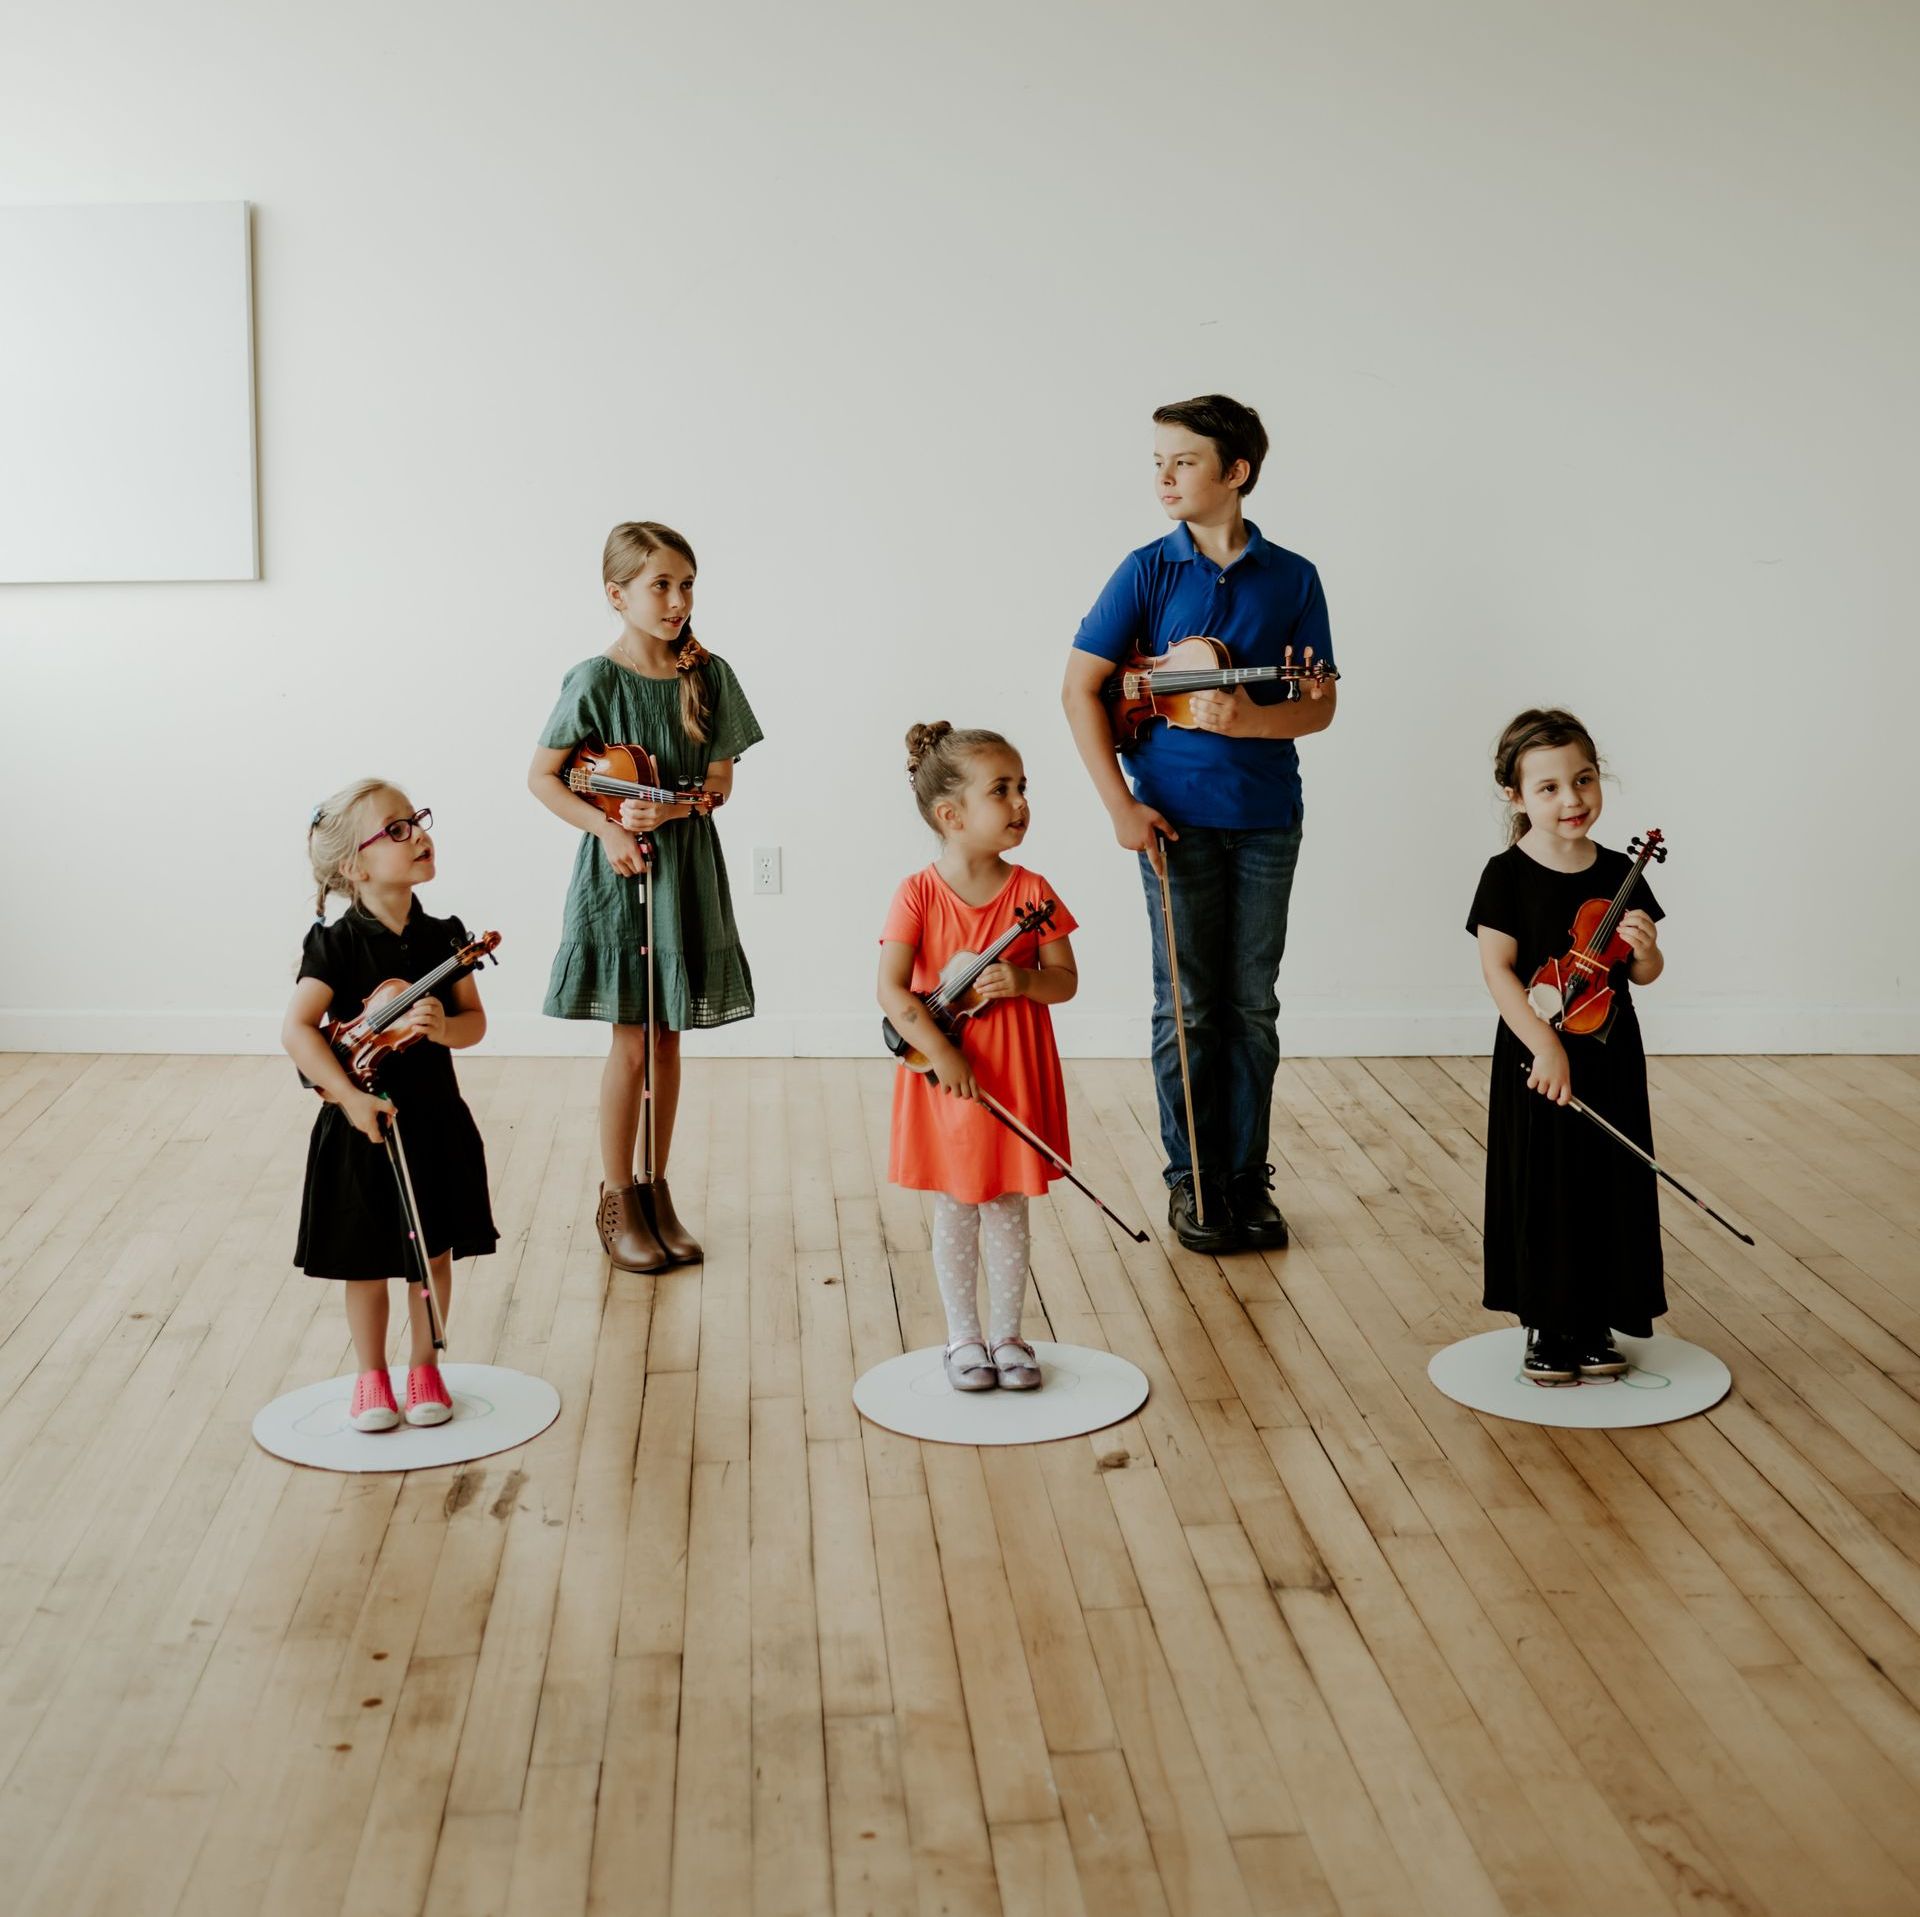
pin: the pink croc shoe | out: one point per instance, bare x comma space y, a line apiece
427, 1400
373, 1405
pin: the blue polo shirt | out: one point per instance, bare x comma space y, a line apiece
1267, 600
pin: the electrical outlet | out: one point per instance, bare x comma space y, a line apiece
766, 868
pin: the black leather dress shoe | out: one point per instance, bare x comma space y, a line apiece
1217, 1234
1552, 1358
1250, 1200
1597, 1358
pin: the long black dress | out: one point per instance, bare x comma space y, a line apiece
350, 1219
1572, 1235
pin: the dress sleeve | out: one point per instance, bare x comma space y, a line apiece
319, 958
1063, 922
1494, 905
576, 713
905, 915
1117, 622
734, 726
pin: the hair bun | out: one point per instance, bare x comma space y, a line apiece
922, 739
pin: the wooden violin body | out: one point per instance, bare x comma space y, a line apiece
956, 998
609, 775
1162, 685
366, 1041
1573, 992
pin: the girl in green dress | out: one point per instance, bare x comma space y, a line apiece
656, 686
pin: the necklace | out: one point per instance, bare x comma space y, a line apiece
627, 654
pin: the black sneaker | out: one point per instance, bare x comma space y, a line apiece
1597, 1358
1218, 1233
1250, 1201
1552, 1358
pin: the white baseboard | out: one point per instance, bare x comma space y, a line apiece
1306, 1031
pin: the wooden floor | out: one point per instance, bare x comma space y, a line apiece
1304, 1637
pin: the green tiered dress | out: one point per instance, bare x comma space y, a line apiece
700, 973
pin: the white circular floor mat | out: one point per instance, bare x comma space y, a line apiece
1670, 1379
493, 1410
1080, 1390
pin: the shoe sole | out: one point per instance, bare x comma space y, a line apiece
1605, 1371
376, 1421
1553, 1377
1209, 1241
429, 1413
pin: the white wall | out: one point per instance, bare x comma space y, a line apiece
1585, 335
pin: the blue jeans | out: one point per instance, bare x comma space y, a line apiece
1230, 893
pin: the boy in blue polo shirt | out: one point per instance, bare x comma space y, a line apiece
1227, 795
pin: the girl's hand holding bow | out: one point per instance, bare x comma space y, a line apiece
368, 1114
624, 852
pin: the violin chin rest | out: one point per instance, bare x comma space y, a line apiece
1546, 1000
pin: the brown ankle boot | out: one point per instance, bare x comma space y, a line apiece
625, 1233
681, 1245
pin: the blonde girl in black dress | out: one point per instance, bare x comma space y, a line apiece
369, 845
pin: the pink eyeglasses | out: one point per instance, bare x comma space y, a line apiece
401, 830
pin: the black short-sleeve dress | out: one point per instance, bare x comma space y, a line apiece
1572, 1234
350, 1219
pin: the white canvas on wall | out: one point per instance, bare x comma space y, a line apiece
126, 393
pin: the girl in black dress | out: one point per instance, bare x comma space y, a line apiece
369, 844
1572, 1237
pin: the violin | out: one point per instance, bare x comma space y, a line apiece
365, 1042
955, 999
1572, 992
609, 775
1161, 685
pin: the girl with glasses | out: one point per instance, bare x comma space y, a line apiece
368, 844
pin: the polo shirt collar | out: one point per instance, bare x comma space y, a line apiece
1182, 550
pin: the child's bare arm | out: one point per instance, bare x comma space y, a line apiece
1052, 982
1498, 953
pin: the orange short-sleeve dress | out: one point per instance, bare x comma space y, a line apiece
950, 1144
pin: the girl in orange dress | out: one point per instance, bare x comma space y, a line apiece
972, 790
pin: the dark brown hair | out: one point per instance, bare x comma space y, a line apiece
1235, 430
629, 546
1536, 727
937, 758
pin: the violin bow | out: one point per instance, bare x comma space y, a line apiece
1047, 1152
416, 1239
1159, 864
646, 1050
1646, 1158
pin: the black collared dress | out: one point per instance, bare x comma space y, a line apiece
350, 1218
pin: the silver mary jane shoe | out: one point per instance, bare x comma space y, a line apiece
1019, 1370
968, 1375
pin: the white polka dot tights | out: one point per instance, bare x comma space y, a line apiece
961, 1234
